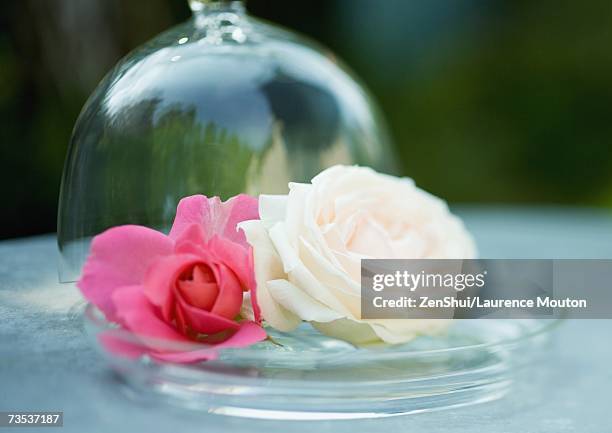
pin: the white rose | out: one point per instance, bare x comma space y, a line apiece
308, 246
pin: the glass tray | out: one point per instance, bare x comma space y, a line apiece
305, 375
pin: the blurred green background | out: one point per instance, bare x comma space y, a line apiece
487, 100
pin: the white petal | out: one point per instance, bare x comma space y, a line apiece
274, 313
403, 331
268, 266
296, 209
298, 302
286, 252
348, 330
329, 275
272, 208
298, 274
301, 277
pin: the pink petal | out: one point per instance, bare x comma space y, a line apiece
181, 322
229, 301
192, 233
242, 207
160, 279
190, 210
202, 321
236, 257
240, 260
202, 290
249, 333
120, 257
139, 316
215, 217
186, 247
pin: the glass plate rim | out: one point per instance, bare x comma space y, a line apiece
95, 318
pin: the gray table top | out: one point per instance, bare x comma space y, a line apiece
46, 363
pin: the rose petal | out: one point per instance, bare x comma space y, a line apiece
240, 208
272, 208
348, 330
298, 302
202, 321
287, 252
202, 290
186, 247
190, 210
402, 331
192, 233
240, 261
218, 250
268, 266
119, 257
341, 287
229, 301
215, 216
138, 315
236, 257
159, 280
158, 339
298, 274
248, 333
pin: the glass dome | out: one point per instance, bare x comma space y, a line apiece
219, 105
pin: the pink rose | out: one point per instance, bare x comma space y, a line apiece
183, 288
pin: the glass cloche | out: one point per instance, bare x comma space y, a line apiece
219, 105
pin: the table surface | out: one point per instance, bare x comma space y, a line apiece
46, 363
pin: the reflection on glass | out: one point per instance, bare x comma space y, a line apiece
219, 105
